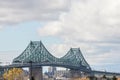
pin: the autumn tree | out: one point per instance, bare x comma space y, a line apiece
13, 74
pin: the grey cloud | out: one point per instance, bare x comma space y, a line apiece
16, 11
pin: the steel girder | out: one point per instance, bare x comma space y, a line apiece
38, 54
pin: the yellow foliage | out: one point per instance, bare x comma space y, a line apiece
12, 74
80, 78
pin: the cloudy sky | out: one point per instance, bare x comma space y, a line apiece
91, 25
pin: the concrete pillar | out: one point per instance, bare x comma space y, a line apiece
75, 73
37, 73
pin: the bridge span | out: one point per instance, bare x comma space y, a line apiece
37, 55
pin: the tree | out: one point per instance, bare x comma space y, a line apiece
92, 78
114, 78
13, 74
104, 76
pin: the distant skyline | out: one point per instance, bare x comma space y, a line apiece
91, 25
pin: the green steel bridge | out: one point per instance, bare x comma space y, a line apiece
40, 56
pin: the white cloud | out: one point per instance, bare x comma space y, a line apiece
58, 50
88, 19
50, 28
108, 58
92, 25
1, 27
8, 56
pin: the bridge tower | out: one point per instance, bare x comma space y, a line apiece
76, 58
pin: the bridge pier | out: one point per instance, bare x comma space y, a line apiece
36, 73
75, 73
